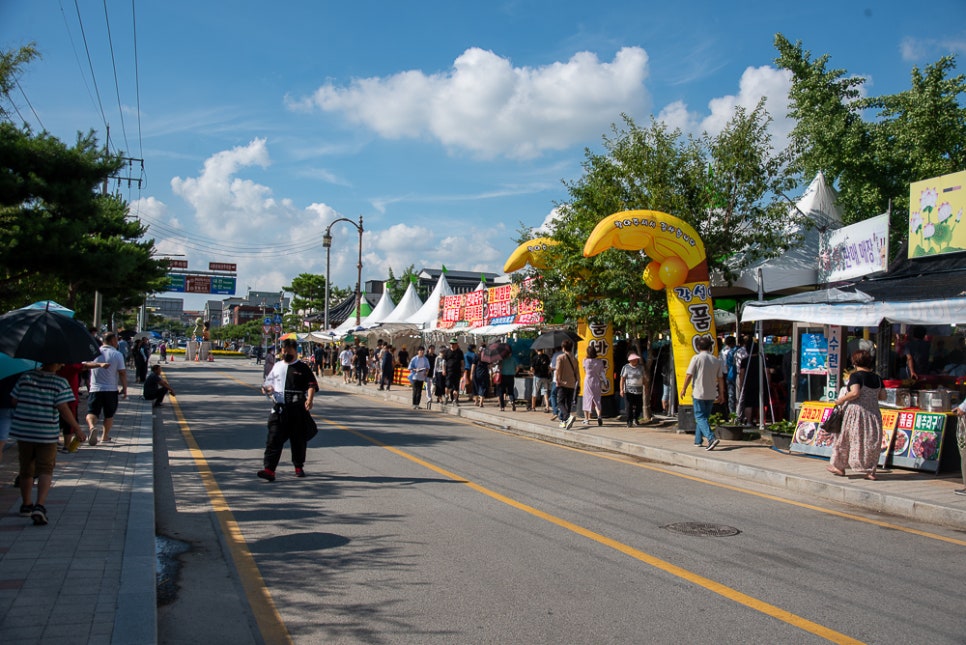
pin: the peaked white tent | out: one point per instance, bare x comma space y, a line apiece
398, 318
427, 317
798, 267
383, 308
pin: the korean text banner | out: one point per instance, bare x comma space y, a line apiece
503, 305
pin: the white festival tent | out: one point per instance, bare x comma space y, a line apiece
381, 311
798, 267
426, 318
399, 317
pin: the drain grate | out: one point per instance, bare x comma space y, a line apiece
702, 529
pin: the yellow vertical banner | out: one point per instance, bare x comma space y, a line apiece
601, 336
691, 316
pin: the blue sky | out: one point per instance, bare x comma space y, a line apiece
446, 125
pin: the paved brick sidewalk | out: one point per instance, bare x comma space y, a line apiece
89, 575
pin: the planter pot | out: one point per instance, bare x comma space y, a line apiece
781, 441
730, 433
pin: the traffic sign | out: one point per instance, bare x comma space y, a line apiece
278, 319
267, 321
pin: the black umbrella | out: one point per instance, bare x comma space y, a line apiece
552, 339
41, 335
495, 352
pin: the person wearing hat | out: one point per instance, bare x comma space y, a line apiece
632, 388
292, 387
453, 370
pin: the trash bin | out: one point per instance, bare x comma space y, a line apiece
686, 421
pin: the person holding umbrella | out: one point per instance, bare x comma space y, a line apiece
40, 398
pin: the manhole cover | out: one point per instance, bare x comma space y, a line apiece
703, 529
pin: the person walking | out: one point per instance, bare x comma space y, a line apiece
507, 388
156, 387
103, 397
729, 356
292, 387
540, 369
345, 360
453, 371
859, 444
481, 381
419, 371
566, 377
632, 388
707, 374
40, 400
386, 367
593, 385
360, 359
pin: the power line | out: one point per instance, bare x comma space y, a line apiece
73, 46
29, 104
117, 88
90, 64
137, 78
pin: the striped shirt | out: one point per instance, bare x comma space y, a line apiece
36, 417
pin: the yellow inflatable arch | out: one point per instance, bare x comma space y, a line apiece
529, 253
679, 265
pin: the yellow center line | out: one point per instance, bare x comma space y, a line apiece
269, 621
663, 565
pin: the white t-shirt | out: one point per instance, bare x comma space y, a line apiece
346, 357
105, 379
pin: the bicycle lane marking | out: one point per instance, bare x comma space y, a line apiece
663, 565
267, 617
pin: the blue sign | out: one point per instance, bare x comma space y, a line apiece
814, 354
278, 319
267, 321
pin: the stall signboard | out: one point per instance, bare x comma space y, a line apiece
833, 363
919, 440
601, 337
935, 215
814, 354
503, 305
811, 439
854, 251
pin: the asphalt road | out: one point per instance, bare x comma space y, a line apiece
417, 527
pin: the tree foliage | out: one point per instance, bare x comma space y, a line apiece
60, 236
723, 185
872, 147
397, 286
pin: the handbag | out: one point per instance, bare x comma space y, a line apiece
833, 424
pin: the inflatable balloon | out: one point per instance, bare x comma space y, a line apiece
679, 265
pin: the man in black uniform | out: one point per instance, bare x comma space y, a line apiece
292, 387
453, 370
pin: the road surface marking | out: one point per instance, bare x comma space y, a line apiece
663, 565
269, 621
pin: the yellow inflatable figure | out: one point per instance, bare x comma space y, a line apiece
529, 253
679, 264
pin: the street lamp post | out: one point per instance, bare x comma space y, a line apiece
327, 243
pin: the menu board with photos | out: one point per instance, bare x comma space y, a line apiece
811, 439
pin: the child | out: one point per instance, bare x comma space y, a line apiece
40, 398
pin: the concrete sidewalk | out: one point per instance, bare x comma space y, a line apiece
89, 575
914, 495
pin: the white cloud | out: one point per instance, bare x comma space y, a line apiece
486, 106
918, 50
756, 83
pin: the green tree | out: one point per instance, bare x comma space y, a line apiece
872, 147
397, 286
60, 237
722, 185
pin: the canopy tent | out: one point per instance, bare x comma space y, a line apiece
365, 309
920, 295
398, 318
383, 308
427, 317
797, 268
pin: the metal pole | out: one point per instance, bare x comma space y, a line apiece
327, 243
359, 279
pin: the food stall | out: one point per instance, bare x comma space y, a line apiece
918, 431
